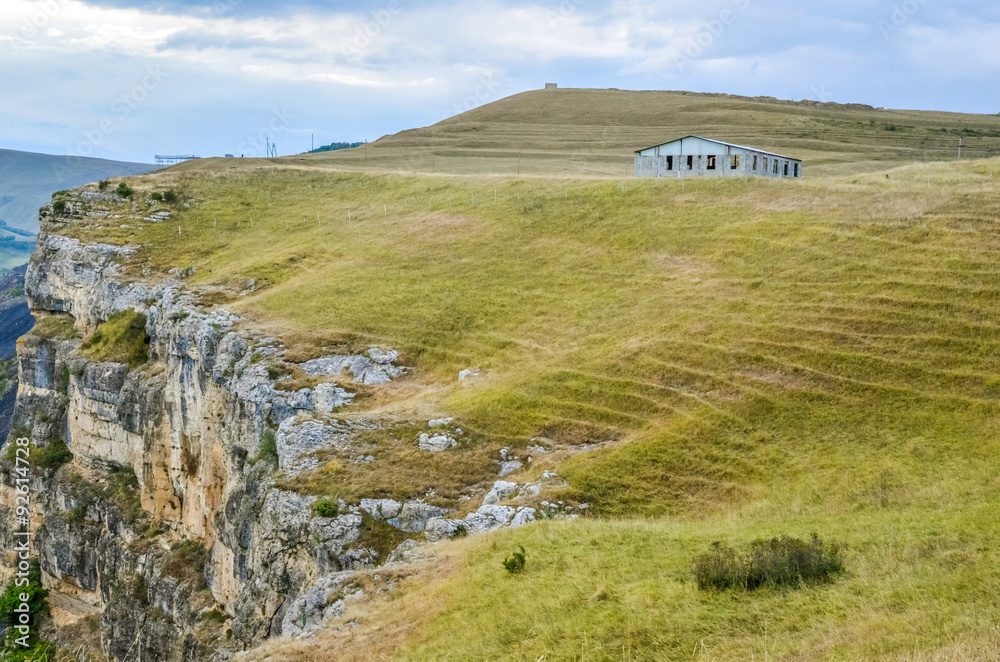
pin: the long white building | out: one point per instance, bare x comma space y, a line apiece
701, 157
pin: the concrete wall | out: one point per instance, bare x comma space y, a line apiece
695, 157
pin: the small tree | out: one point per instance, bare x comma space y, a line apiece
516, 562
124, 190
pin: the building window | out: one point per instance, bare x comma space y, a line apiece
796, 169
670, 163
776, 166
735, 162
711, 162
786, 168
765, 165
690, 162
755, 163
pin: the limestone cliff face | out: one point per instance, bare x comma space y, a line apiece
167, 448
168, 522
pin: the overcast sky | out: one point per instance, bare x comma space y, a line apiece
127, 79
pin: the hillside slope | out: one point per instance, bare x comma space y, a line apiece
728, 361
28, 180
595, 132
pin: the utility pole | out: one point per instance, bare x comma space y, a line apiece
961, 144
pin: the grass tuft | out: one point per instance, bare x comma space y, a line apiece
121, 339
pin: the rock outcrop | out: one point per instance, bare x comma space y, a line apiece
168, 521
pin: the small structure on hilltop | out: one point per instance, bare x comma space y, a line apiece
701, 157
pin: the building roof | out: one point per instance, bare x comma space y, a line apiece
721, 142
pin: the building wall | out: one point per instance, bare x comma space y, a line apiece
692, 157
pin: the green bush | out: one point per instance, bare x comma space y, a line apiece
122, 488
52, 456
62, 378
103, 185
38, 607
783, 561
325, 507
122, 339
268, 446
59, 206
124, 190
516, 562
215, 616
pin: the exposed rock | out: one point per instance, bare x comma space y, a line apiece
436, 443
175, 446
376, 368
386, 509
320, 602
509, 467
299, 441
487, 518
414, 515
501, 490
439, 422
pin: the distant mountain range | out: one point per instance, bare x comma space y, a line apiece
28, 180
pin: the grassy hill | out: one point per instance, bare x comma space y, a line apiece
732, 361
28, 180
595, 132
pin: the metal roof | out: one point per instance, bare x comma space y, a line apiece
722, 142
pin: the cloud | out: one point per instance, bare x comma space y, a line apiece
378, 66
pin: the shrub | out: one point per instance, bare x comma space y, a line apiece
122, 339
325, 507
170, 197
124, 190
59, 206
62, 379
103, 185
268, 446
52, 456
215, 616
516, 562
10, 600
783, 561
187, 561
122, 488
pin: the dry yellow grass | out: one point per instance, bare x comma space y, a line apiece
774, 357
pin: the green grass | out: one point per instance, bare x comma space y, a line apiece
771, 357
585, 132
121, 339
55, 326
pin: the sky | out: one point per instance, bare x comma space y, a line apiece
128, 79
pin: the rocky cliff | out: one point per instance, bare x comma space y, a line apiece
169, 522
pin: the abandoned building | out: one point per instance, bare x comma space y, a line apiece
701, 157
